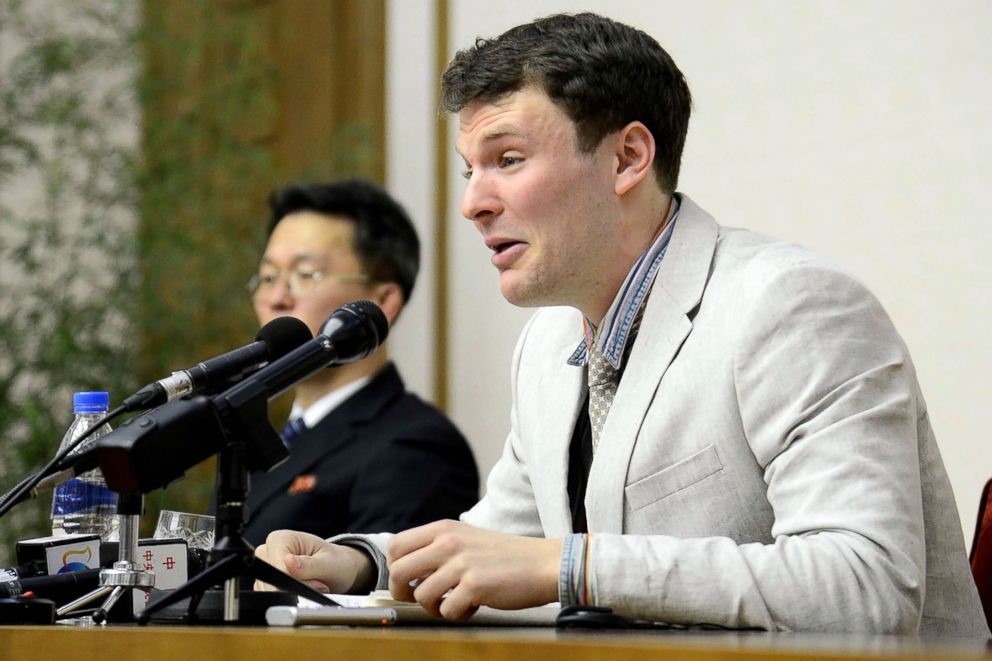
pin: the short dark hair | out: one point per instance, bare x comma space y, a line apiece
386, 243
601, 73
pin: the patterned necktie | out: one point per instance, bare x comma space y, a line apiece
293, 428
603, 381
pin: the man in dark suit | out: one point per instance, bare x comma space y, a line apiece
365, 455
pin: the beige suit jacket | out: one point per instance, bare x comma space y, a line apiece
768, 460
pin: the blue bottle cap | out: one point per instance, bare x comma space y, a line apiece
90, 402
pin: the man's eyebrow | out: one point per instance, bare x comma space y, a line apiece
495, 134
503, 132
296, 259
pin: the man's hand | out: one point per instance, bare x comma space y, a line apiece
323, 566
451, 569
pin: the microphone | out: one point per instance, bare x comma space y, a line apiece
156, 448
274, 340
353, 332
59, 587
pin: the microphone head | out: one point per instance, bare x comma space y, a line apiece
356, 330
373, 315
282, 335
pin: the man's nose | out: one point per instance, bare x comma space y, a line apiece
481, 201
278, 295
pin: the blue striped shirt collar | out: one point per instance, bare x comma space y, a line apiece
612, 341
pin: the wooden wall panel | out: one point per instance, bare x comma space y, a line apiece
239, 97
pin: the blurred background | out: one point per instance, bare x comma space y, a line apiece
139, 141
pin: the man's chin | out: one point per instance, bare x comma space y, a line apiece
521, 294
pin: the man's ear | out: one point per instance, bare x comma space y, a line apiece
634, 156
389, 297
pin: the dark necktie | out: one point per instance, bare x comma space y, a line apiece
293, 428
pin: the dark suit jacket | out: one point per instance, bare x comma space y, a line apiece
382, 461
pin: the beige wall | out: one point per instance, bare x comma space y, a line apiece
860, 129
410, 118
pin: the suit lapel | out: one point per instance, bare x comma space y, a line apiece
676, 292
308, 448
551, 485
337, 429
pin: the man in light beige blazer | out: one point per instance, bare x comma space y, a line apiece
767, 460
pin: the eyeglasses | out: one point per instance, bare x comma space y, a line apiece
300, 283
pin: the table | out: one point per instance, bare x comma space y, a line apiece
112, 643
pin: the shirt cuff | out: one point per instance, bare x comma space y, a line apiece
367, 544
573, 577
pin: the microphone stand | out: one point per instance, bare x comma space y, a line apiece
126, 574
143, 453
232, 556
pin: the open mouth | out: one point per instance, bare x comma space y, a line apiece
502, 247
506, 253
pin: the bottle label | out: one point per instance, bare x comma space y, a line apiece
77, 495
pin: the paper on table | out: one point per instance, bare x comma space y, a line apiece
346, 600
412, 613
376, 599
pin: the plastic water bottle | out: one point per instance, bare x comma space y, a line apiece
84, 504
